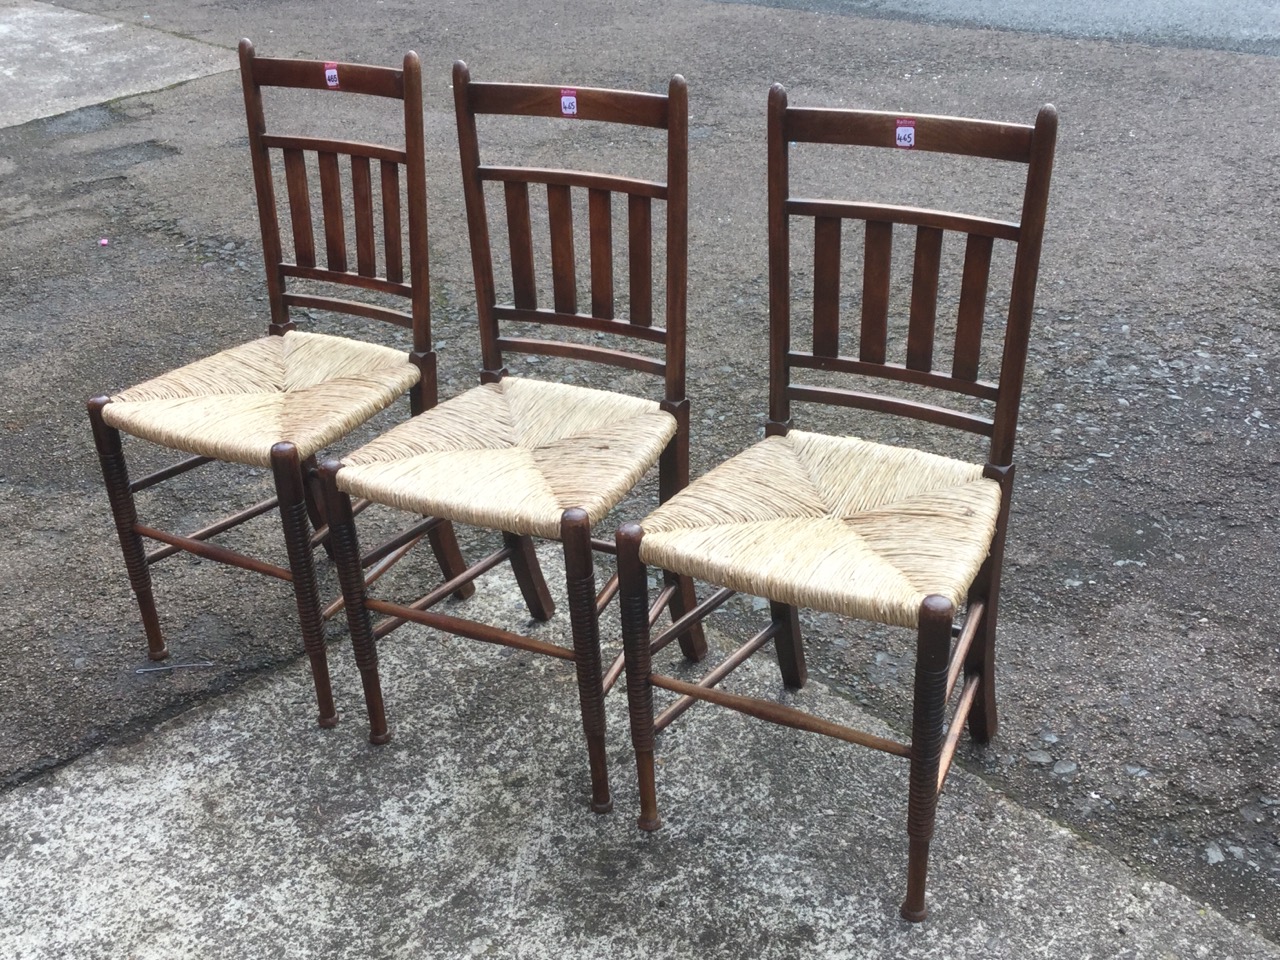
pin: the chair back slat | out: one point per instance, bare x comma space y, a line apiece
304, 241
600, 219
1031, 146
571, 193
362, 199
640, 254
325, 161
924, 298
826, 286
564, 281
335, 231
392, 244
973, 307
520, 236
877, 263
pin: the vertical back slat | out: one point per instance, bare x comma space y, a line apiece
877, 260
973, 307
600, 216
520, 233
304, 242
826, 286
335, 238
391, 227
924, 298
563, 281
640, 259
362, 199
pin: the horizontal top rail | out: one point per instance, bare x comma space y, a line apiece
588, 103
310, 75
869, 128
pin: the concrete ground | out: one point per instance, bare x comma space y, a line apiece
1130, 805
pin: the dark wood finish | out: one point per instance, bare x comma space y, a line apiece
908, 216
362, 197
400, 165
563, 280
304, 241
869, 128
601, 221
335, 232
875, 291
640, 253
973, 307
393, 244
668, 112
826, 287
940, 666
585, 601
584, 179
520, 234
924, 299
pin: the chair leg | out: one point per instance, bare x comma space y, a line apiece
533, 586
789, 646
580, 578
346, 557
693, 642
291, 491
115, 475
981, 660
633, 599
932, 652
314, 498
444, 544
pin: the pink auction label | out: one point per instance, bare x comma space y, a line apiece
331, 75
569, 103
906, 134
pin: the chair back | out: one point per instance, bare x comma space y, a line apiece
1027, 145
564, 311
379, 228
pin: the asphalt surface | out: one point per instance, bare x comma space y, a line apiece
1141, 710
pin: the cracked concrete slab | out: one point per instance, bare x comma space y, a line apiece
53, 60
240, 829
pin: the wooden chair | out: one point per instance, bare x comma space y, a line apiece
845, 526
541, 458
277, 401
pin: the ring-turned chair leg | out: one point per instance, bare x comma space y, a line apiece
346, 557
932, 653
291, 489
115, 475
633, 598
580, 578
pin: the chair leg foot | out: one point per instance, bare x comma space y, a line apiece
161, 654
913, 906
648, 820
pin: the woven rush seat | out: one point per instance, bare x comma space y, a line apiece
513, 455
836, 524
305, 388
